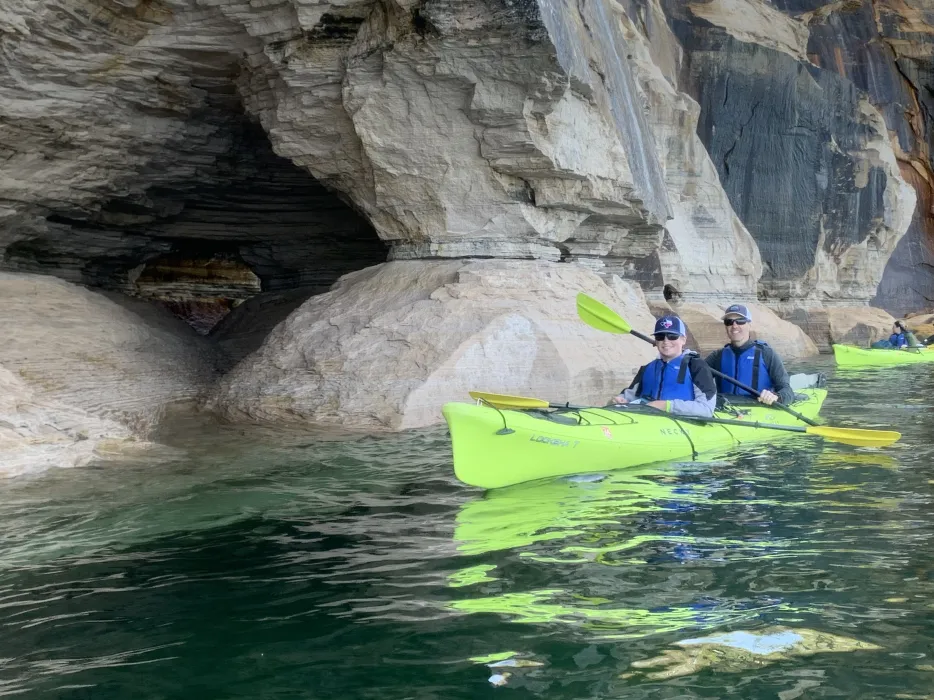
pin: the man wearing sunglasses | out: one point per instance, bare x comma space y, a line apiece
678, 381
752, 362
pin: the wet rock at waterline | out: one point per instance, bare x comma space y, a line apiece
390, 344
846, 325
115, 358
37, 433
231, 161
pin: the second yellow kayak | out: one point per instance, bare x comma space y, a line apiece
851, 356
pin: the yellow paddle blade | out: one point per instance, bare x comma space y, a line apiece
855, 436
506, 401
600, 316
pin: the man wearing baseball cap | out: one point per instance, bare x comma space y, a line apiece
678, 381
752, 362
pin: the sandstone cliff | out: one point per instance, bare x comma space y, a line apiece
221, 157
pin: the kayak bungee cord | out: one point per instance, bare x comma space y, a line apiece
505, 430
686, 434
657, 411
639, 408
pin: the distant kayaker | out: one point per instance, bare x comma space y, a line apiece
678, 381
751, 362
902, 337
899, 338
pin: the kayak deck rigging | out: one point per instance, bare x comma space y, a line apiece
495, 447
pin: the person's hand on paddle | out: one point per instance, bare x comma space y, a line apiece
660, 405
620, 399
767, 397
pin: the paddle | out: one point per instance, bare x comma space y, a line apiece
518, 402
847, 436
601, 317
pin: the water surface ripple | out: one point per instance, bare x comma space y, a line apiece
251, 564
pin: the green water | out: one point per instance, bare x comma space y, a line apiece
288, 566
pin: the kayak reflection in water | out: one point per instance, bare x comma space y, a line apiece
678, 381
749, 361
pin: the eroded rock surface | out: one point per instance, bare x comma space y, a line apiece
541, 129
803, 154
37, 433
860, 325
391, 343
115, 358
705, 152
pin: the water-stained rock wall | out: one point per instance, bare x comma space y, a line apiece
884, 48
802, 151
542, 130
197, 152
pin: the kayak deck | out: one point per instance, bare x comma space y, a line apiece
499, 447
851, 356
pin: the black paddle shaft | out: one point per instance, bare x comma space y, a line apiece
738, 383
758, 393
644, 408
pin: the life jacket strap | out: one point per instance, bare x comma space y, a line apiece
756, 361
683, 369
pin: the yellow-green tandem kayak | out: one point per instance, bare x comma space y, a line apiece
850, 356
499, 447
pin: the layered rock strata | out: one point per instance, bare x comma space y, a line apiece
538, 130
36, 433
111, 357
803, 154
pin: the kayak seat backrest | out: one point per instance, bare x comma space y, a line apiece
807, 381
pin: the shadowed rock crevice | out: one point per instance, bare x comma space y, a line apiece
198, 284
251, 222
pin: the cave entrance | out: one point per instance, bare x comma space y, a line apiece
197, 283
249, 222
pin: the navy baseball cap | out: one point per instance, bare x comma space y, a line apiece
670, 324
737, 311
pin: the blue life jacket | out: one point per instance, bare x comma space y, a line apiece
898, 339
666, 381
748, 367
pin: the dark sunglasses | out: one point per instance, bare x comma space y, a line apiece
738, 321
666, 336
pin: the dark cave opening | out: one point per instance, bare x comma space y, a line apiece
251, 223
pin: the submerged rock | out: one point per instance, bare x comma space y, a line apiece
738, 651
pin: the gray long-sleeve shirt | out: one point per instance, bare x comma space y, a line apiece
705, 390
781, 385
